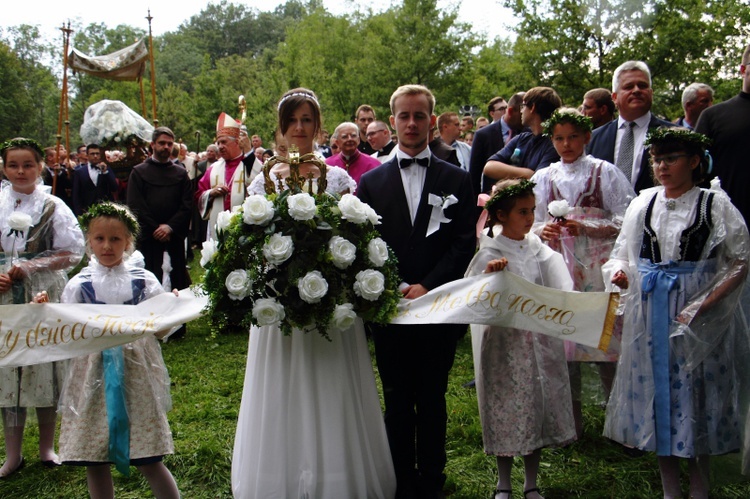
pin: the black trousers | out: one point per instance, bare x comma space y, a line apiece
414, 363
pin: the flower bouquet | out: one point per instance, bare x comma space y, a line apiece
299, 260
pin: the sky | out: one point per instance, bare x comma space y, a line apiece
486, 16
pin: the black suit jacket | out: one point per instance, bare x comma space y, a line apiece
487, 141
443, 151
602, 146
63, 186
85, 193
428, 260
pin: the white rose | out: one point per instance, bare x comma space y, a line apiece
19, 221
343, 316
377, 250
257, 210
558, 209
301, 206
312, 287
278, 249
342, 251
267, 311
353, 209
369, 284
208, 252
223, 220
372, 216
238, 284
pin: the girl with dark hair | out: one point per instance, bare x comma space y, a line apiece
680, 262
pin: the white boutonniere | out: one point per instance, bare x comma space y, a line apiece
439, 205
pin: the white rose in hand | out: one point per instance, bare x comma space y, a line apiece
343, 252
278, 249
353, 209
208, 252
19, 222
377, 250
238, 284
312, 287
301, 206
343, 316
267, 311
257, 210
369, 284
558, 209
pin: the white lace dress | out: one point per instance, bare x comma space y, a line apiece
310, 422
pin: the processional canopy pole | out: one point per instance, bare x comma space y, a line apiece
154, 117
63, 112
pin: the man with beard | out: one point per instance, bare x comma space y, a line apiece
161, 197
224, 185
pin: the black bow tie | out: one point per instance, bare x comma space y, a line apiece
95, 167
407, 162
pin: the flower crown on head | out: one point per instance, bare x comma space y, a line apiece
524, 187
298, 94
679, 134
567, 116
110, 210
21, 142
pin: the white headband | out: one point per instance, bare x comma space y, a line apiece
298, 94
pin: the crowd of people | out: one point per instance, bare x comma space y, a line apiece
652, 209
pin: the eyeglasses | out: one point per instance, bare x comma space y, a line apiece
669, 159
372, 133
501, 108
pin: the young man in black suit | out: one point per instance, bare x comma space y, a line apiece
92, 181
414, 361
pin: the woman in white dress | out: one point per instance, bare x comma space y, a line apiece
681, 260
310, 423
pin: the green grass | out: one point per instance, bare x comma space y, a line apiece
207, 375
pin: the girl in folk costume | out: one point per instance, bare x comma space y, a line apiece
593, 196
224, 185
40, 241
114, 402
520, 375
680, 261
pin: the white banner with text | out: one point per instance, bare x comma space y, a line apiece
507, 300
46, 332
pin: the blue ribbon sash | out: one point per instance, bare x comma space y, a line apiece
658, 280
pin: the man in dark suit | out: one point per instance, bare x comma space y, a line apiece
621, 141
93, 181
414, 361
493, 137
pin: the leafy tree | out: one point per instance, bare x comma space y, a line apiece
574, 45
34, 98
15, 102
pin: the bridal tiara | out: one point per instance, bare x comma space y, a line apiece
298, 94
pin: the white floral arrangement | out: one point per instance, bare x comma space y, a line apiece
112, 124
298, 260
558, 210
